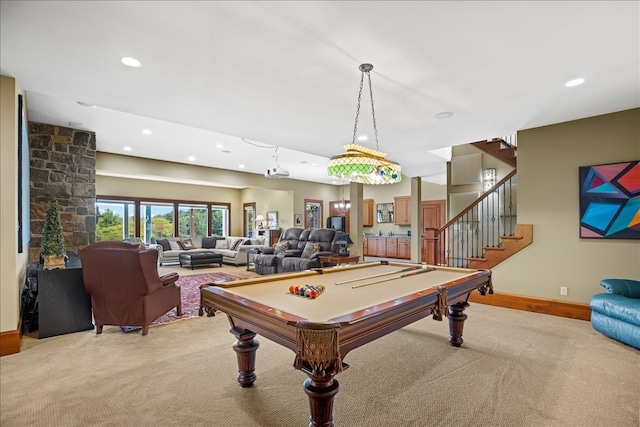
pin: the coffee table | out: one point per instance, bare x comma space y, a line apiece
193, 258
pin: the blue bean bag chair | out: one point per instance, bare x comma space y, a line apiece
616, 313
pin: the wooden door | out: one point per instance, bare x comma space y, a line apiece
433, 215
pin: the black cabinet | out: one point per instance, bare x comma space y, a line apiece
63, 305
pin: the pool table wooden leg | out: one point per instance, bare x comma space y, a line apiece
456, 323
245, 349
321, 391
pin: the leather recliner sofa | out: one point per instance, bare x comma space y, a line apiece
616, 313
297, 250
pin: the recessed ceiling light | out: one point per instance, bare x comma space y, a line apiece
314, 164
574, 82
86, 104
226, 151
443, 115
363, 138
131, 62
147, 131
219, 145
127, 148
191, 159
241, 166
75, 124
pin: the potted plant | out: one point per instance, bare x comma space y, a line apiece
52, 245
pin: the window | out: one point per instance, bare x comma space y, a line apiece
249, 218
219, 220
152, 219
156, 220
114, 220
192, 220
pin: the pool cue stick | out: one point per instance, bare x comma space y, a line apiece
424, 270
377, 275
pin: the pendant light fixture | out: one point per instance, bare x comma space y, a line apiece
362, 164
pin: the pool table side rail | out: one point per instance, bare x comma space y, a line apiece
254, 317
390, 317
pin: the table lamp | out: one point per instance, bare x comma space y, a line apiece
259, 218
343, 241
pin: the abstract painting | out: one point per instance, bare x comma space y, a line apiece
610, 201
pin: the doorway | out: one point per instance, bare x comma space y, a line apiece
433, 214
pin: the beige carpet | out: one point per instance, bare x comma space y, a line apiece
515, 369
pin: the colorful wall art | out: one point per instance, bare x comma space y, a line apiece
610, 201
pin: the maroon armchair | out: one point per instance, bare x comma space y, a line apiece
125, 288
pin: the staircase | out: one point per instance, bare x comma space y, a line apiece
501, 148
486, 232
509, 245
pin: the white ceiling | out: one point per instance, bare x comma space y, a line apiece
286, 74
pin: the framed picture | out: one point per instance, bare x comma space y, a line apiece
610, 201
272, 219
384, 212
297, 220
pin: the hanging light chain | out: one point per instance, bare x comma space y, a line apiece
373, 111
355, 127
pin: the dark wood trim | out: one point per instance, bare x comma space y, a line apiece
573, 310
10, 341
137, 201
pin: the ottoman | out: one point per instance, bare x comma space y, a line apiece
193, 258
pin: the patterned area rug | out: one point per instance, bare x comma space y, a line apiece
190, 293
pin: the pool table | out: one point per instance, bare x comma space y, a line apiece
359, 304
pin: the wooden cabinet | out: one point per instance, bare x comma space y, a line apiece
367, 213
404, 248
402, 210
375, 246
392, 247
387, 247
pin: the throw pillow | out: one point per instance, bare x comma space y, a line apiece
309, 249
173, 245
164, 243
235, 244
187, 244
208, 242
221, 244
281, 247
181, 245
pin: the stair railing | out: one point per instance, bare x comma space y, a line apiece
478, 226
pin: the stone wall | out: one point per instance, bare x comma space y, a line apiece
63, 167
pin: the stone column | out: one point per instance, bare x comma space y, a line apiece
63, 167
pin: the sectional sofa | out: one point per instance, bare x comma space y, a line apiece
233, 248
